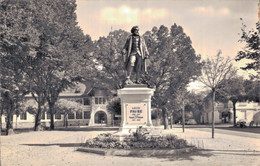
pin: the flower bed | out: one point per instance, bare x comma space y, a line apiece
141, 139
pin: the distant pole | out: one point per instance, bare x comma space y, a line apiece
183, 116
213, 115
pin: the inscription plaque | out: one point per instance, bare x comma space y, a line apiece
136, 113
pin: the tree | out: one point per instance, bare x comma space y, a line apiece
65, 107
214, 72
232, 90
38, 39
114, 107
195, 105
70, 44
31, 106
251, 51
108, 60
18, 38
252, 90
178, 104
62, 45
173, 64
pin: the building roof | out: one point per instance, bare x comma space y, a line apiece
81, 90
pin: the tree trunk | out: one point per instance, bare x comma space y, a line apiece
9, 123
37, 125
234, 112
1, 113
1, 124
171, 121
51, 109
165, 118
158, 119
183, 117
113, 119
65, 120
213, 111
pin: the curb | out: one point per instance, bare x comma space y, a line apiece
136, 152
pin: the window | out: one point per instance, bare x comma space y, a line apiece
48, 116
86, 114
86, 101
78, 115
43, 115
225, 105
79, 101
58, 116
100, 100
71, 116
23, 116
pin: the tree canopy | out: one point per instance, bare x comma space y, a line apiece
42, 46
108, 60
173, 62
216, 71
251, 50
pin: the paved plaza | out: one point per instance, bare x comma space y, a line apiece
58, 148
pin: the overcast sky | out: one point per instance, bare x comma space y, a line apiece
211, 24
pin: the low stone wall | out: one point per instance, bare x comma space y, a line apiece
136, 152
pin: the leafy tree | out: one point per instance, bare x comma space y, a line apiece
252, 90
173, 64
214, 72
18, 38
37, 44
53, 68
176, 106
195, 105
114, 107
251, 51
31, 107
232, 90
108, 60
65, 107
69, 42
38, 39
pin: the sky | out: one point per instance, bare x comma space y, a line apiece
211, 24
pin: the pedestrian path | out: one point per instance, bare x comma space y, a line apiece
224, 140
230, 132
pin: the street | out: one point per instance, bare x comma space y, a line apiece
230, 132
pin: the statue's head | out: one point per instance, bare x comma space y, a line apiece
135, 30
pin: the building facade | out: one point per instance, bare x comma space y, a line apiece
94, 102
246, 111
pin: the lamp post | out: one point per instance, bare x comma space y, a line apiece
183, 116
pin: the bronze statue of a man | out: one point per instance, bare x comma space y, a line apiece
135, 52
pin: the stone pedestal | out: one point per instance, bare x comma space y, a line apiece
135, 108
